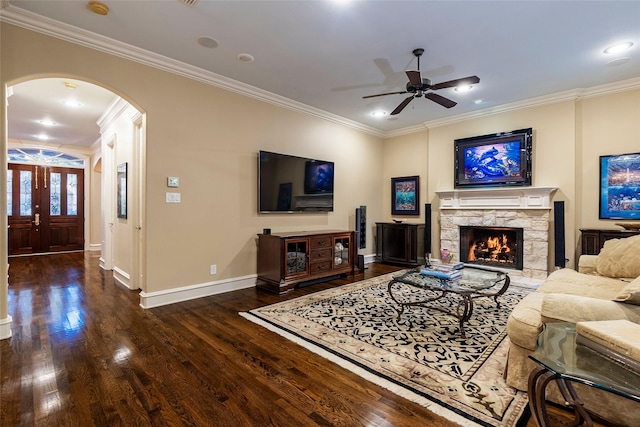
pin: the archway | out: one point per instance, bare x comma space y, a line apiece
100, 170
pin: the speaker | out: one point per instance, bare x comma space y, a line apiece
558, 234
427, 229
361, 263
361, 227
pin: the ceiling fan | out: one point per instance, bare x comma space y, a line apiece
417, 86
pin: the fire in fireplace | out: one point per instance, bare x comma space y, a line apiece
492, 246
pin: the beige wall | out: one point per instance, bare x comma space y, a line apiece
209, 138
609, 125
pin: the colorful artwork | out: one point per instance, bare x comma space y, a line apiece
485, 162
620, 186
405, 196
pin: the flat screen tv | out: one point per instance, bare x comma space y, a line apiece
289, 183
495, 160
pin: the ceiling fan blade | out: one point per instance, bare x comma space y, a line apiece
445, 102
384, 94
415, 78
403, 104
457, 82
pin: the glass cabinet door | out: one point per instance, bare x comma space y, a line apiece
297, 251
341, 251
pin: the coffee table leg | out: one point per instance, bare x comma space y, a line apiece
538, 381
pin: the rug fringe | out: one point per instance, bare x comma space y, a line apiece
400, 391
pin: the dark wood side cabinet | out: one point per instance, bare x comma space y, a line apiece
593, 239
288, 259
401, 244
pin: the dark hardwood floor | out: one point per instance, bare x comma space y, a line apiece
83, 353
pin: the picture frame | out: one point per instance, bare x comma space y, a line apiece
405, 195
121, 197
620, 186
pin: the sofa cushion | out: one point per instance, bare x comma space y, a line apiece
619, 258
574, 308
630, 293
568, 281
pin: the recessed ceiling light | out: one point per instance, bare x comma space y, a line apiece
478, 101
42, 137
245, 57
208, 42
463, 88
71, 103
618, 47
379, 113
46, 122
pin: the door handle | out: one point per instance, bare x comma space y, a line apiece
37, 220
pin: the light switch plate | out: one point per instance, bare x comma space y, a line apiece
173, 181
173, 197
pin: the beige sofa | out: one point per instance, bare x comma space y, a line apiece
605, 287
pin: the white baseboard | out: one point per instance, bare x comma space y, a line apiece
122, 277
5, 328
171, 296
95, 247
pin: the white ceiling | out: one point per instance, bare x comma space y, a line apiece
329, 54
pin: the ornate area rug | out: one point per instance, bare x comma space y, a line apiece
421, 357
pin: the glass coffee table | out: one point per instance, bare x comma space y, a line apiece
476, 282
564, 361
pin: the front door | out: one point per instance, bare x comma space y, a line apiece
45, 209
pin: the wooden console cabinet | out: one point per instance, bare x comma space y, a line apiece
401, 244
593, 239
287, 259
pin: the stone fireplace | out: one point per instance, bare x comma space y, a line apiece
507, 220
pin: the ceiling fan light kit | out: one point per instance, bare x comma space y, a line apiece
419, 86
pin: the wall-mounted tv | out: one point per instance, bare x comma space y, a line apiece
289, 183
495, 160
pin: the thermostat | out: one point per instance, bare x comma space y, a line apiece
173, 181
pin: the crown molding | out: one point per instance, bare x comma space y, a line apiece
569, 95
50, 27
405, 131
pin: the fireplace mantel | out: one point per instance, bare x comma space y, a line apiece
497, 198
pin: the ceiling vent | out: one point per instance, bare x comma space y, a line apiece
190, 3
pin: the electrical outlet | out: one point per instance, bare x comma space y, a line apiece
213, 269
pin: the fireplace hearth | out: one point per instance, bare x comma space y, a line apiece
492, 246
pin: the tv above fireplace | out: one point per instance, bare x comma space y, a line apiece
495, 160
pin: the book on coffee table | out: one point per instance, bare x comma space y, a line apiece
618, 358
445, 266
619, 336
449, 275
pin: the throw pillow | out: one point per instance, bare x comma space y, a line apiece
619, 258
630, 293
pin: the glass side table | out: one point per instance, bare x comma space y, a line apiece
564, 361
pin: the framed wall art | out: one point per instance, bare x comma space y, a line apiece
620, 186
405, 196
121, 204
